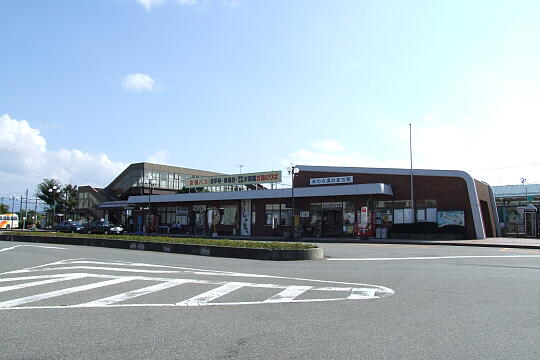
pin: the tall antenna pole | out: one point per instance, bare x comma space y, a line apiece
412, 180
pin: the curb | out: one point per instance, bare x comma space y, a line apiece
424, 242
205, 250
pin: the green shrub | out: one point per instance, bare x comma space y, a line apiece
274, 245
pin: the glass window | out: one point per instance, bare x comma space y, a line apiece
272, 214
228, 215
348, 205
286, 216
316, 213
383, 205
332, 205
402, 204
348, 217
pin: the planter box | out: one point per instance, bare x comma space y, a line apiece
206, 250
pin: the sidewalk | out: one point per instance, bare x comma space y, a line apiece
507, 242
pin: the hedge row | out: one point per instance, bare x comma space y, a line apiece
274, 245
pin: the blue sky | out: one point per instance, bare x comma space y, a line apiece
87, 87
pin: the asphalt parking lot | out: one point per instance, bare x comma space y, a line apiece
374, 301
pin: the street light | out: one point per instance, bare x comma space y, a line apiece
293, 170
523, 180
53, 191
151, 185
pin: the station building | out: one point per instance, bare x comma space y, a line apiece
517, 207
111, 201
324, 201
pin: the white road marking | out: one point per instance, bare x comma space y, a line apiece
362, 294
48, 295
135, 293
34, 283
213, 294
38, 246
286, 293
110, 269
180, 270
438, 257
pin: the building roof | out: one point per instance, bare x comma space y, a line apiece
516, 190
355, 189
113, 205
159, 167
386, 171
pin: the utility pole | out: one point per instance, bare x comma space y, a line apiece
12, 209
412, 182
35, 214
20, 209
25, 210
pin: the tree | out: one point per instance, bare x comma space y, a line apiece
69, 198
4, 209
50, 198
31, 217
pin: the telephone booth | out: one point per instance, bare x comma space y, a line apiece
529, 216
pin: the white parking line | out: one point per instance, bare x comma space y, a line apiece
437, 257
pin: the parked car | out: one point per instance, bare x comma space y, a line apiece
69, 226
103, 227
175, 229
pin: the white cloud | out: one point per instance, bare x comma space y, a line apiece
329, 145
149, 4
19, 138
159, 157
139, 82
499, 150
336, 156
498, 147
25, 161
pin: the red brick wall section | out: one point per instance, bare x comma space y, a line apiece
482, 190
450, 192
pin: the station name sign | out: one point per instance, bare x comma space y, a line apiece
235, 179
331, 180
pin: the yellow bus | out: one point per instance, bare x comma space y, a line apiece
9, 221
